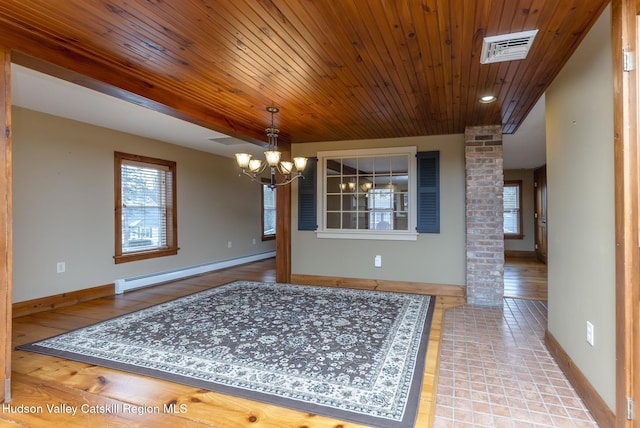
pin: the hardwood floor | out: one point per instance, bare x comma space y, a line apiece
39, 381
525, 278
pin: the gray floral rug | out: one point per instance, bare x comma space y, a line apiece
355, 355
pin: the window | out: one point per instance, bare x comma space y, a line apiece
145, 199
268, 213
512, 210
367, 194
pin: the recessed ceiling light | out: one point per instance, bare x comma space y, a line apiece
487, 99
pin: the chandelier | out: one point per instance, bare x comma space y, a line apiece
253, 168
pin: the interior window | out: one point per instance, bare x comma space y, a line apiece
368, 194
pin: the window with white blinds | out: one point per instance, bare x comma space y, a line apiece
268, 213
145, 207
512, 212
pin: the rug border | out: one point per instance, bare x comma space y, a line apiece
413, 400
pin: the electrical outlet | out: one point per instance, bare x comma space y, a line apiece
377, 261
61, 267
589, 333
254, 241
229, 244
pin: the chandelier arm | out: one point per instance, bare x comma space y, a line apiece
284, 183
273, 184
259, 171
252, 176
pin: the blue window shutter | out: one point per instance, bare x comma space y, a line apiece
428, 192
307, 214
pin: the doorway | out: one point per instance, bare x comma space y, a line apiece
540, 212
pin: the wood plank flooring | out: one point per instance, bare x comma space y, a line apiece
115, 398
525, 278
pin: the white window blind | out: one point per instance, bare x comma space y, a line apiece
511, 202
146, 222
268, 212
146, 199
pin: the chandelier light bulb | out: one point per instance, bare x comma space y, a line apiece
286, 167
300, 162
273, 157
243, 160
255, 164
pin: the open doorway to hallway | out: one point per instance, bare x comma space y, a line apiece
540, 212
525, 270
525, 278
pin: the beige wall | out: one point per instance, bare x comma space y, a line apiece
579, 120
433, 258
527, 243
64, 204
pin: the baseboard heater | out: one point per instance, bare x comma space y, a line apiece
135, 282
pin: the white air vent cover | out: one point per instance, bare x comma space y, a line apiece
227, 141
507, 47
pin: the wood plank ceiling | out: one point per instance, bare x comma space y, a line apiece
338, 70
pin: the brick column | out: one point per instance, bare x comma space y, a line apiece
484, 215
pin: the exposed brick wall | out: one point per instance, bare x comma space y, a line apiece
484, 215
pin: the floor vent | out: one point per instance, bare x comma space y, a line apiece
507, 47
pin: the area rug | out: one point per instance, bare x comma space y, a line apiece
354, 355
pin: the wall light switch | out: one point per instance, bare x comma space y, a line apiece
61, 267
377, 261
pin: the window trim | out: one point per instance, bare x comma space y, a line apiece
397, 235
172, 217
518, 184
273, 236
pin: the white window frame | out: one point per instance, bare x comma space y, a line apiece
397, 235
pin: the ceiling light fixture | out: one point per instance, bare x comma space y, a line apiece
487, 99
253, 168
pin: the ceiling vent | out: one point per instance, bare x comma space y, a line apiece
507, 47
227, 141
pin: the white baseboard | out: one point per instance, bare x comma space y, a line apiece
128, 284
